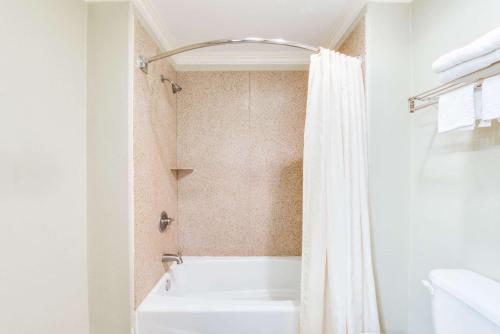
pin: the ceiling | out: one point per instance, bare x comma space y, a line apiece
313, 22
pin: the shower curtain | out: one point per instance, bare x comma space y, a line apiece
338, 291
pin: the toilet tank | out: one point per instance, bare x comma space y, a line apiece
464, 302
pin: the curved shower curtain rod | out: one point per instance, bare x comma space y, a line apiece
143, 62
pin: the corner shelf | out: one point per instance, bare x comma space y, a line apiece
181, 171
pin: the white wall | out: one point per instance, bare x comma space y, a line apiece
450, 191
456, 181
43, 252
387, 86
109, 133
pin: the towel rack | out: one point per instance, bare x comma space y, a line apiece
430, 97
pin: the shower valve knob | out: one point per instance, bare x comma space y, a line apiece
165, 220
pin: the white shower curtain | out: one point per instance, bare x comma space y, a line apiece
338, 291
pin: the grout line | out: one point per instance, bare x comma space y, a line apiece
249, 137
177, 164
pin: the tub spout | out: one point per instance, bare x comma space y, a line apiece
168, 258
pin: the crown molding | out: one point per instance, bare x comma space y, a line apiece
349, 15
149, 16
245, 58
160, 32
156, 26
393, 1
242, 60
241, 67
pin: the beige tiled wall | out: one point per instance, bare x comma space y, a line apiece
277, 116
155, 186
242, 132
354, 44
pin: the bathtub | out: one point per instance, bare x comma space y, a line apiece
224, 295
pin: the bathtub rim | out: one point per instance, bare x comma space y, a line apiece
156, 303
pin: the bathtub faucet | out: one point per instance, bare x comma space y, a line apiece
177, 258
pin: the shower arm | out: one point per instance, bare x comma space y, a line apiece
143, 62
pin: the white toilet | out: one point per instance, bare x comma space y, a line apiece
464, 302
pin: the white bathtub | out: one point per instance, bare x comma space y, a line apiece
224, 295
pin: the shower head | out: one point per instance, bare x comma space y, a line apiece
175, 87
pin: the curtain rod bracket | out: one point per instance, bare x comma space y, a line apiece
142, 63
411, 104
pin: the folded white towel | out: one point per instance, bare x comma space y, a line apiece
478, 48
478, 102
491, 98
457, 110
469, 66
